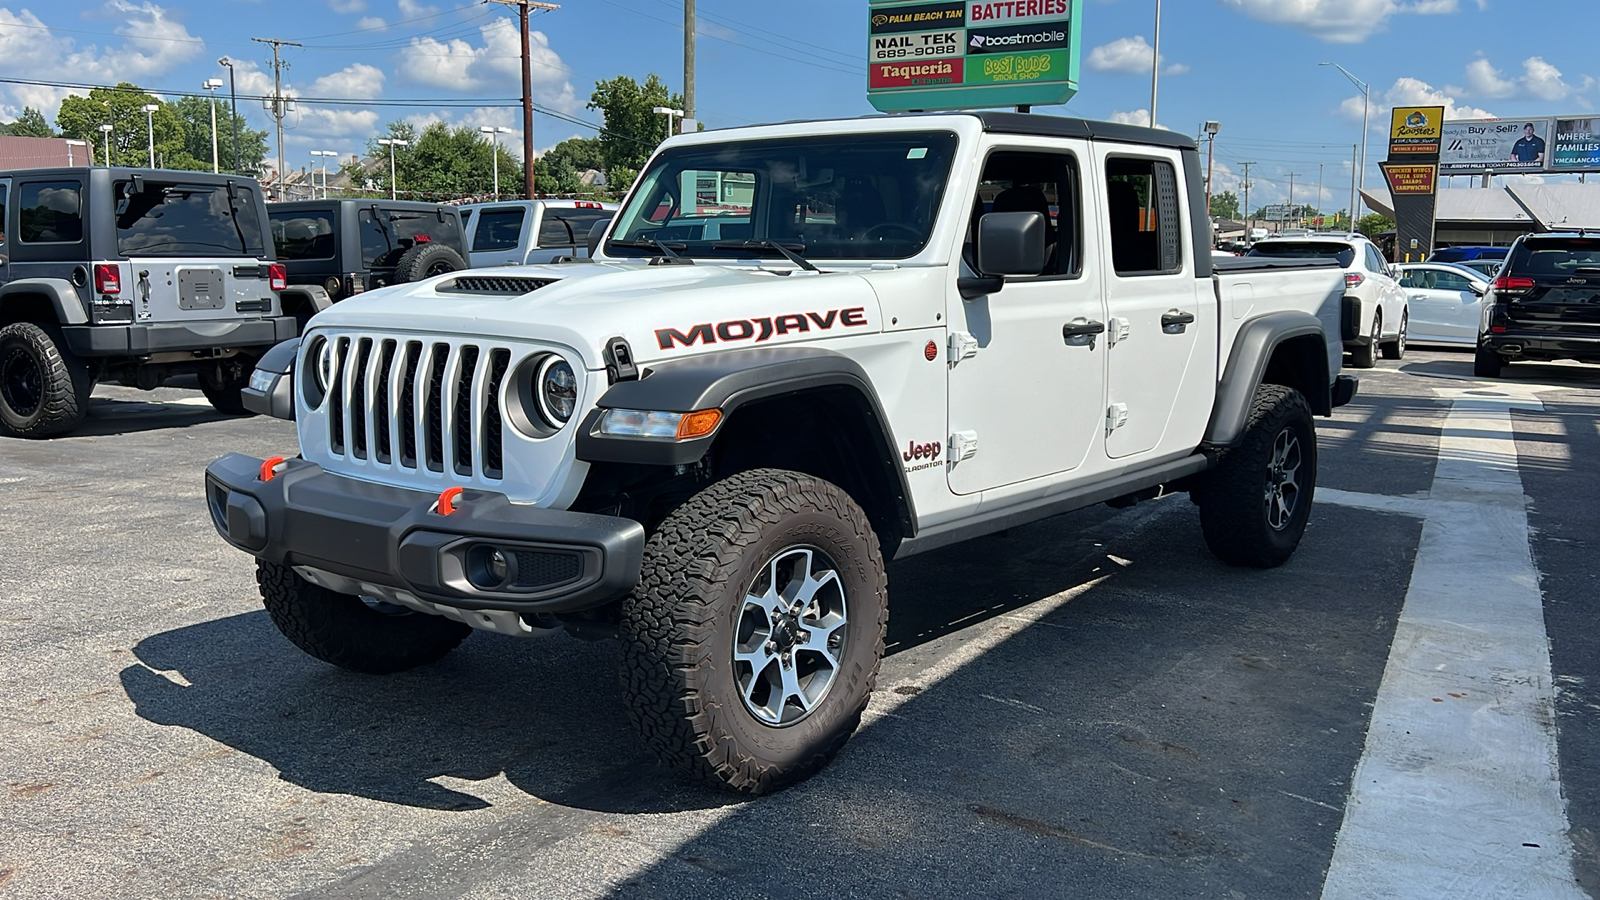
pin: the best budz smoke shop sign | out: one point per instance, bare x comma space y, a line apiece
972, 54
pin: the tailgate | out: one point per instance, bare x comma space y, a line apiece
167, 289
1569, 304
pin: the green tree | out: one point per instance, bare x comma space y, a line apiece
1374, 224
440, 163
31, 123
195, 114
1225, 205
122, 106
580, 153
632, 129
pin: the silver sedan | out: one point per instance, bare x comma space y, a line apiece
1445, 300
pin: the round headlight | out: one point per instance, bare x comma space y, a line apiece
558, 390
322, 368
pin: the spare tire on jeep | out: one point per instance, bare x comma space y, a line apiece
426, 260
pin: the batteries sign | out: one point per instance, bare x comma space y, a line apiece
972, 54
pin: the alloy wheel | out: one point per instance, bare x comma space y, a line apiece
1283, 485
21, 382
790, 636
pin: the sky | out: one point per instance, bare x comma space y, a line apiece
1249, 64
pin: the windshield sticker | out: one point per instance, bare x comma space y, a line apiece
760, 329
916, 153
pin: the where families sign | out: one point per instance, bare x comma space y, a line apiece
959, 55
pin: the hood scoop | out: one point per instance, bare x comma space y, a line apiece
494, 285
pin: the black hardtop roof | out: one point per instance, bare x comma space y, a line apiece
1004, 122
157, 175
363, 202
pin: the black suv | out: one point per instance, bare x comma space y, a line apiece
336, 248
132, 275
1545, 304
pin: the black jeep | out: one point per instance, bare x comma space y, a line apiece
336, 248
1544, 305
129, 275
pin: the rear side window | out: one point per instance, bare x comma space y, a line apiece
50, 212
387, 233
176, 219
1144, 209
568, 227
1555, 256
1281, 249
1375, 261
498, 229
303, 235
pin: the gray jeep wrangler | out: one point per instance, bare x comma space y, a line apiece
133, 276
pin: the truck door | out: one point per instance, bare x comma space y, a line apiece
1030, 395
1153, 302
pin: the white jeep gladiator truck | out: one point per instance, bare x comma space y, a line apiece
708, 441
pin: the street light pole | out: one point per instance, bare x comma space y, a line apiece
150, 121
325, 155
1155, 68
1366, 102
211, 85
494, 152
392, 143
233, 93
1211, 129
669, 112
106, 131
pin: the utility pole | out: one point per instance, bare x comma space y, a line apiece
279, 107
1292, 177
1247, 166
527, 87
1210, 129
1319, 188
688, 61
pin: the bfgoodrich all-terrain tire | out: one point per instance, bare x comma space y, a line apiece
44, 389
1254, 505
349, 632
752, 641
425, 261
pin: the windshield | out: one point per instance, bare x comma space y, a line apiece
176, 219
1282, 249
867, 196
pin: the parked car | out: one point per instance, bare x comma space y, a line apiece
1544, 305
134, 276
524, 232
335, 249
1467, 254
1444, 300
1375, 305
1488, 268
709, 445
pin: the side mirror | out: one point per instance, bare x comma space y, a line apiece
597, 232
1011, 243
1476, 288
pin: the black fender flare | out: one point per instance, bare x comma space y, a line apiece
277, 400
1253, 347
728, 381
60, 292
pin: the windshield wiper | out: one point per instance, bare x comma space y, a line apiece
666, 249
790, 252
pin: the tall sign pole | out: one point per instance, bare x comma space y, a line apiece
688, 60
527, 87
1155, 68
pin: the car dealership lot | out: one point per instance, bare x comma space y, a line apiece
1090, 705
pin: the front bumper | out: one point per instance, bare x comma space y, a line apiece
306, 516
165, 337
1542, 345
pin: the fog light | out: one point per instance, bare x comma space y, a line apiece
489, 568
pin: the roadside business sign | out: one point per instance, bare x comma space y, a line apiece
1413, 189
1494, 145
978, 53
1411, 178
1576, 147
1414, 131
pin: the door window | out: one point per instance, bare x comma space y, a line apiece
568, 227
1452, 281
1375, 262
50, 212
374, 239
1045, 183
1143, 207
498, 229
303, 235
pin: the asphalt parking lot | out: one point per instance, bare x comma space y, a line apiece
1091, 706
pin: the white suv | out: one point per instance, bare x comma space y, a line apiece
1375, 313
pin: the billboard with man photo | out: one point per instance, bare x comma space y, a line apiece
1495, 145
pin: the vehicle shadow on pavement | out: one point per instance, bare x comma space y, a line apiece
1540, 374
119, 416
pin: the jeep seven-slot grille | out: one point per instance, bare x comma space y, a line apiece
390, 396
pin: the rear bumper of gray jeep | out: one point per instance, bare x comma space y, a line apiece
166, 337
550, 561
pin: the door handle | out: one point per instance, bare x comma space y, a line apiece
1417, 297
1082, 332
1175, 321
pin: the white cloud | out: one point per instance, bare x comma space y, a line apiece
1409, 92
1543, 80
1137, 117
1484, 80
1129, 55
357, 81
347, 7
457, 65
371, 23
1339, 21
1539, 79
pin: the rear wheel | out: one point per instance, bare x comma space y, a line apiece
355, 633
1255, 504
1486, 363
224, 386
1396, 349
1365, 356
44, 389
752, 642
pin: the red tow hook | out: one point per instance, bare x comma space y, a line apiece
446, 504
269, 467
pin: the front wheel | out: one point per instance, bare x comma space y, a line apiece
356, 633
752, 642
1255, 504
